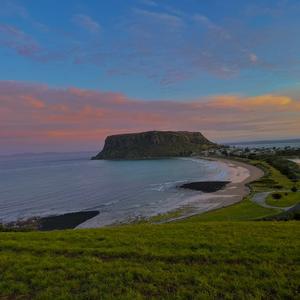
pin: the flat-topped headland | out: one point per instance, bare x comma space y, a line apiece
154, 144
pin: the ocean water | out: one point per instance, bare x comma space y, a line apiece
50, 184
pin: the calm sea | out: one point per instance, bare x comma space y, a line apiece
49, 184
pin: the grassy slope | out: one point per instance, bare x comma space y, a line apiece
187, 260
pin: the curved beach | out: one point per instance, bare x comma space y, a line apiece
240, 175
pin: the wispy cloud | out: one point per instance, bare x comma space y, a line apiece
87, 22
12, 8
149, 2
170, 46
16, 39
207, 22
161, 17
25, 45
273, 8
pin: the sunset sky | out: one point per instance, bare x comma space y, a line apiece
74, 71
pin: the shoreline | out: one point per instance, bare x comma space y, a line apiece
235, 191
240, 174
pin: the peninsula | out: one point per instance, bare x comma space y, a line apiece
154, 144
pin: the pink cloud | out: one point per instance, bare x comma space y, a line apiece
34, 102
52, 118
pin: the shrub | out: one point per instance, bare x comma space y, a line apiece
279, 187
294, 189
276, 196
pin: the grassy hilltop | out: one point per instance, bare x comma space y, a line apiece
222, 254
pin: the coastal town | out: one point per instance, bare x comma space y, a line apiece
252, 152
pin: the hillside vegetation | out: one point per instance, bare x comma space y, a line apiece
285, 166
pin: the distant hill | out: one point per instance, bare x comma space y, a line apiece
154, 144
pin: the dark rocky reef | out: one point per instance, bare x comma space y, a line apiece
154, 144
66, 221
59, 222
205, 186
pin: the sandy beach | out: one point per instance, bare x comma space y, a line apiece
240, 175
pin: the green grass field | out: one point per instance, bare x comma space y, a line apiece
185, 260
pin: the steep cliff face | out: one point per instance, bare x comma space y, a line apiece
154, 144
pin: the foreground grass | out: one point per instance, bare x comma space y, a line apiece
287, 199
185, 260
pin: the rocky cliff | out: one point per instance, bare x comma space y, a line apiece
154, 144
